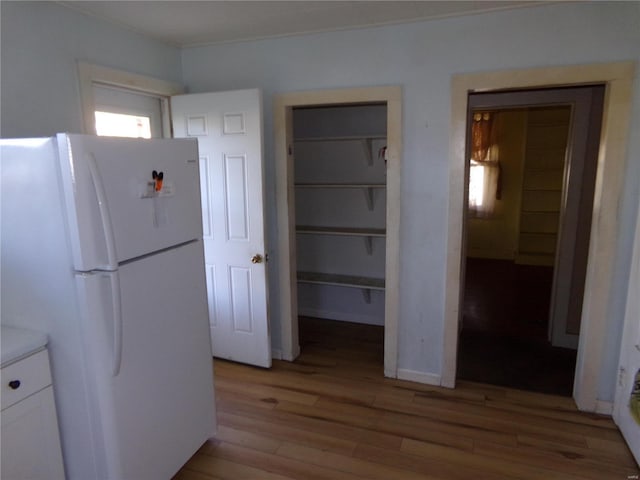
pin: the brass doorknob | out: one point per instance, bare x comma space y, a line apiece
257, 258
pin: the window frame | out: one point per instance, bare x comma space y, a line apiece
90, 75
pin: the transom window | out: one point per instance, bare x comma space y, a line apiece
122, 125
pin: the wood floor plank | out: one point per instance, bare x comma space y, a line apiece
482, 463
562, 461
266, 392
248, 439
229, 470
320, 426
596, 454
332, 415
277, 464
290, 431
348, 464
435, 468
428, 431
186, 474
484, 419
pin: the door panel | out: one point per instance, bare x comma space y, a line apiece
228, 126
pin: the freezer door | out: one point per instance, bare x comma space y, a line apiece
151, 363
117, 207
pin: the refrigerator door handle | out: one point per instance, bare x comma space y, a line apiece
116, 303
101, 312
105, 216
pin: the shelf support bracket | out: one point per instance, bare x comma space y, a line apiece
368, 150
366, 294
368, 245
368, 193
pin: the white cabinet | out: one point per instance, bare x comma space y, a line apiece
30, 437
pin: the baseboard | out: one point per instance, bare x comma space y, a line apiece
340, 316
604, 408
419, 377
278, 354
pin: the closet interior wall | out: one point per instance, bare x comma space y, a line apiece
340, 204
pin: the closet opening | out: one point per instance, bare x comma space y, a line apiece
532, 161
340, 168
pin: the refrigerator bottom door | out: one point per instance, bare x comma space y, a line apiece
158, 409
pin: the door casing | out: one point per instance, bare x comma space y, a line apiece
577, 196
285, 199
618, 78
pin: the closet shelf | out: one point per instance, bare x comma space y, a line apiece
365, 140
343, 138
367, 283
367, 188
347, 231
340, 185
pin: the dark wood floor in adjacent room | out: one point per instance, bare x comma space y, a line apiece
331, 415
504, 329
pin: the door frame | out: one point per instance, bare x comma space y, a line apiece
579, 160
618, 79
285, 202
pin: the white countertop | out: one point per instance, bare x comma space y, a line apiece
16, 343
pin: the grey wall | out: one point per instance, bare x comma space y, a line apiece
422, 57
41, 43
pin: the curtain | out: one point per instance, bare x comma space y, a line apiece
484, 171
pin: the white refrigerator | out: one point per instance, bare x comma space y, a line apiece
102, 250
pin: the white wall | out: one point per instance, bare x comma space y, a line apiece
41, 43
422, 57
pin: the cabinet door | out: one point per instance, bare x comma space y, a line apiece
30, 442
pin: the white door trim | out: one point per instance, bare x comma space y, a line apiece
89, 74
618, 78
283, 107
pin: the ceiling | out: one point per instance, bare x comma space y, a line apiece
190, 23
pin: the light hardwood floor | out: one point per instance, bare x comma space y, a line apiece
332, 415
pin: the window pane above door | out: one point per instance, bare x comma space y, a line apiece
122, 125
121, 112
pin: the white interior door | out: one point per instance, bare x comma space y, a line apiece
627, 403
228, 126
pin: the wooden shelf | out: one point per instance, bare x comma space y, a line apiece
341, 280
366, 233
344, 138
341, 185
346, 231
366, 140
367, 188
